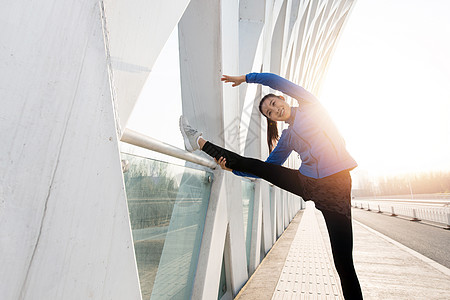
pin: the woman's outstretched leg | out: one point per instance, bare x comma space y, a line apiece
285, 178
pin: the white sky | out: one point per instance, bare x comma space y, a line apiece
159, 106
388, 85
387, 88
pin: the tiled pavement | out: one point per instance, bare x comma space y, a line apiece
386, 269
308, 271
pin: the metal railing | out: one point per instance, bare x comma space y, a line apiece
138, 139
440, 215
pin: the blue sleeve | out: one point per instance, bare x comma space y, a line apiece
278, 155
281, 84
243, 174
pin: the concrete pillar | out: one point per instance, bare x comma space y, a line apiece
255, 248
273, 214
280, 212
266, 217
65, 232
207, 49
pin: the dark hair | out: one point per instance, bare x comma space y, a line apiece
272, 129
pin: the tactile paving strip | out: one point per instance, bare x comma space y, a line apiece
308, 272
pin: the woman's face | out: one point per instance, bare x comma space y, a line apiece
276, 109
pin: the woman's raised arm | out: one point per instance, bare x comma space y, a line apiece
236, 80
281, 84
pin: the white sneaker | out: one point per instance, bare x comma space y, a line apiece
190, 135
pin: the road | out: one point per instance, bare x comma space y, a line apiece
430, 241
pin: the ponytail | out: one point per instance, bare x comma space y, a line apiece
272, 134
272, 128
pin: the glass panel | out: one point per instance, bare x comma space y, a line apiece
167, 205
223, 281
159, 103
248, 195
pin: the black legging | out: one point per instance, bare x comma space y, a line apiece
339, 224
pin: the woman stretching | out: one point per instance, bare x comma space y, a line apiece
323, 176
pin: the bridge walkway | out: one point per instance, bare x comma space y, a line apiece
299, 266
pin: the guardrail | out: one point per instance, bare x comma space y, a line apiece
278, 208
138, 139
440, 215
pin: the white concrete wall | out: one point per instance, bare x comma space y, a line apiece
64, 228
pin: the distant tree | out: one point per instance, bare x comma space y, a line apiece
415, 183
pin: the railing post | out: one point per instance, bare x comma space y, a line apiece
393, 212
448, 220
379, 209
368, 207
414, 215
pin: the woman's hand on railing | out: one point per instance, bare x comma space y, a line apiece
222, 161
236, 80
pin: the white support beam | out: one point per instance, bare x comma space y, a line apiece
201, 91
273, 213
286, 208
266, 217
280, 211
212, 108
251, 24
199, 37
237, 251
255, 247
231, 135
278, 37
207, 276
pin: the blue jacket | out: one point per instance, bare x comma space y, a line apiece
311, 133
